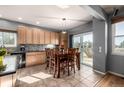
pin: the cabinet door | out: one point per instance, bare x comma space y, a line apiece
57, 39
43, 57
42, 37
21, 35
53, 38
6, 81
64, 40
29, 36
47, 37
34, 58
39, 59
36, 39
30, 59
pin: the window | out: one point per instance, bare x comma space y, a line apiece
118, 38
8, 39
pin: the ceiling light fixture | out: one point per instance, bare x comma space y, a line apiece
63, 6
64, 26
37, 22
19, 18
64, 32
0, 15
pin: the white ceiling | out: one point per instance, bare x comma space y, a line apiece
33, 13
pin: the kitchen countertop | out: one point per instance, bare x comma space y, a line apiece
11, 62
21, 52
37, 51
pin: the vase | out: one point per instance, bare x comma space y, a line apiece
1, 60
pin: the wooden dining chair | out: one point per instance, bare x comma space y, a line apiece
52, 60
71, 59
61, 63
47, 50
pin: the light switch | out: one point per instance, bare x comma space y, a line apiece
100, 49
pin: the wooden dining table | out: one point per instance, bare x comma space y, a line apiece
65, 54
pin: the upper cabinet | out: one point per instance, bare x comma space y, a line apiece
64, 40
57, 39
47, 37
28, 35
21, 35
36, 36
42, 36
53, 38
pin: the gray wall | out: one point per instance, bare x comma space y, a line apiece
115, 62
99, 40
81, 29
78, 30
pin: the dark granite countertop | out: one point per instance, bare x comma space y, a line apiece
11, 64
21, 52
37, 51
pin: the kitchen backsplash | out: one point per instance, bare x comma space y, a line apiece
37, 47
31, 47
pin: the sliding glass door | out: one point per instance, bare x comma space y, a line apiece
87, 49
77, 44
85, 44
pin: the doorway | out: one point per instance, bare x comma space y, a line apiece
85, 44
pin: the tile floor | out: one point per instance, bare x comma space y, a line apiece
31, 77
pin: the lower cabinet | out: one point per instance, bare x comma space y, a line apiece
35, 58
8, 80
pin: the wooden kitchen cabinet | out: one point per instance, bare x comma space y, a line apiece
43, 57
53, 38
42, 36
30, 59
21, 34
35, 58
57, 39
36, 36
6, 81
29, 36
64, 40
47, 37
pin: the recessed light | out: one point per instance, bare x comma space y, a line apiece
0, 15
37, 22
19, 18
63, 6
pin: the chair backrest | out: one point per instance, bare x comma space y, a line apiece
53, 52
71, 50
47, 52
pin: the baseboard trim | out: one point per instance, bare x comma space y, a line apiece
99, 72
114, 73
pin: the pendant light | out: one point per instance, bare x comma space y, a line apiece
64, 26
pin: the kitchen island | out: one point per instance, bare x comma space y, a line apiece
8, 76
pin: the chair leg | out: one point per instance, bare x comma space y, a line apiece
68, 68
54, 71
50, 67
47, 65
74, 68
